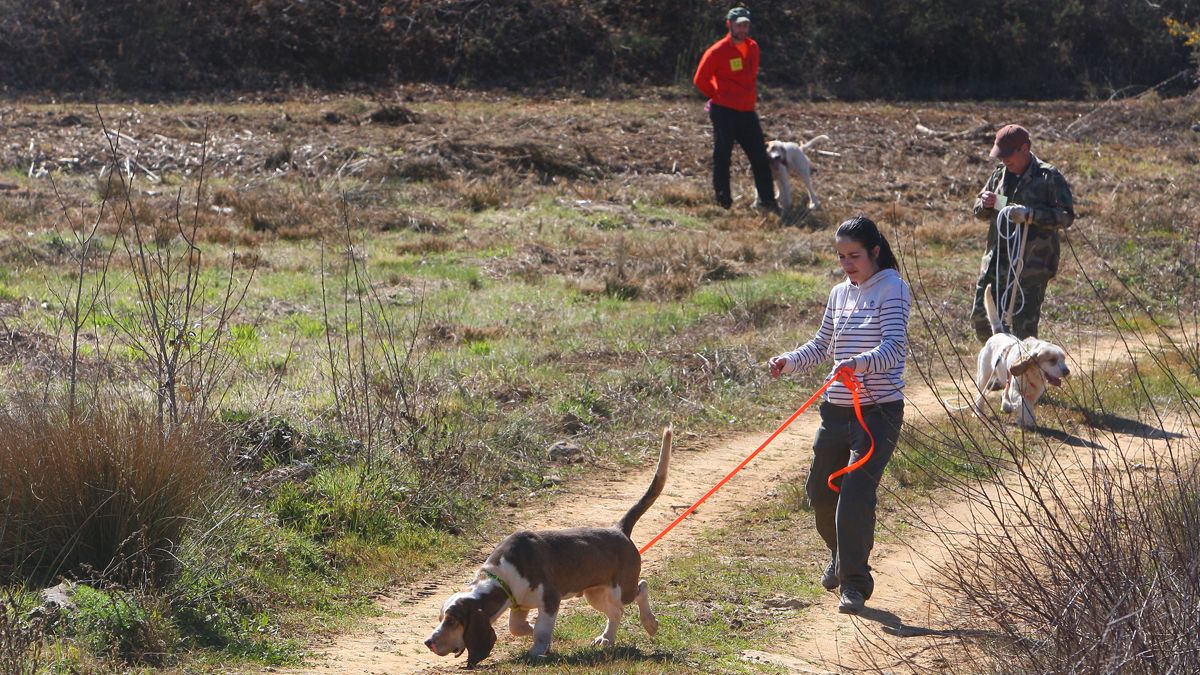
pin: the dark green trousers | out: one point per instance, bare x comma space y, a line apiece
846, 521
1024, 322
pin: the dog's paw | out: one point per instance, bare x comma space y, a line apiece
539, 649
520, 629
601, 641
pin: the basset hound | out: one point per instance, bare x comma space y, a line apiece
538, 570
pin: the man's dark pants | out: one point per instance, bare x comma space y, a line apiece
1024, 322
731, 125
847, 521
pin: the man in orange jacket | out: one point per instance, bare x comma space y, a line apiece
728, 76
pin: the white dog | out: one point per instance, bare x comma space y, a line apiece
789, 158
1008, 361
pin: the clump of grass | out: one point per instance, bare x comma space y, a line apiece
112, 186
346, 500
109, 491
287, 213
421, 168
683, 194
484, 194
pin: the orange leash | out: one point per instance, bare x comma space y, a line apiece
853, 385
848, 378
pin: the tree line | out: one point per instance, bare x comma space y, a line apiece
850, 49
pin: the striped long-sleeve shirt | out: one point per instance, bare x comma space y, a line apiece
868, 323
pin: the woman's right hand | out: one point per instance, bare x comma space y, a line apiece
777, 363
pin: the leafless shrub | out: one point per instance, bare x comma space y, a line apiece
79, 299
23, 208
179, 328
1081, 552
383, 399
1097, 573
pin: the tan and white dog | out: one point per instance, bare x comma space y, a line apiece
789, 158
1022, 368
537, 570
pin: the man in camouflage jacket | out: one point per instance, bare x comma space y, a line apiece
1045, 205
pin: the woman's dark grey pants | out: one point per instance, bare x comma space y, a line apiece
846, 521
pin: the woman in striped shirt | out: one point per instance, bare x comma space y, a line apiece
865, 329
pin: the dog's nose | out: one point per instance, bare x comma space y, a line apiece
429, 643
1066, 371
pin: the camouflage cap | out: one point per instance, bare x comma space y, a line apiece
1009, 139
738, 15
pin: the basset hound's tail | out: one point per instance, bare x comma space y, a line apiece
626, 523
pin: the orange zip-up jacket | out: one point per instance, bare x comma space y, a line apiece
728, 78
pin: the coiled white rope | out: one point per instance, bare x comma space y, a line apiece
1010, 237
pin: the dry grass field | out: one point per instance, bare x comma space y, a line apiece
384, 318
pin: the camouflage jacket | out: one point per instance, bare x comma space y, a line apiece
1044, 190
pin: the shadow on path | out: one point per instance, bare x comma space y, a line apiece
894, 625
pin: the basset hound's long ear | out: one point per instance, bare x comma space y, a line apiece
479, 636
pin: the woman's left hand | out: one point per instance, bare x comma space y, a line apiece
845, 364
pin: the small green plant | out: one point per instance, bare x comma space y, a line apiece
795, 497
244, 340
584, 409
22, 634
343, 499
118, 624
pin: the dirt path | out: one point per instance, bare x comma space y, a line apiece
821, 639
392, 643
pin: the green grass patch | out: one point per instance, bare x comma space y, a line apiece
942, 450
